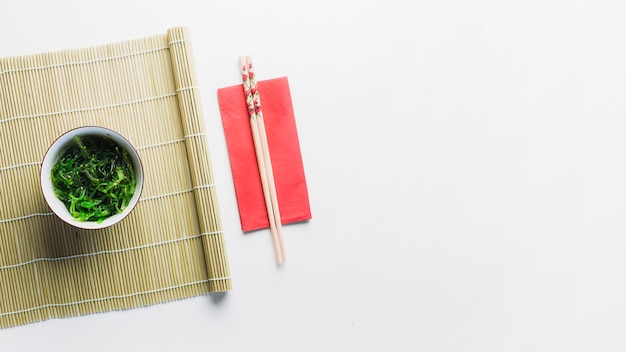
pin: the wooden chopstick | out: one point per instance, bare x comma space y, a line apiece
268, 161
261, 148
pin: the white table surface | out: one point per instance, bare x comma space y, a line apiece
465, 162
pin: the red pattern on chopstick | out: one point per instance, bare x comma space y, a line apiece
247, 90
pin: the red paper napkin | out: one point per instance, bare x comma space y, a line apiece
284, 147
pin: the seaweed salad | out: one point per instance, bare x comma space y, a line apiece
94, 177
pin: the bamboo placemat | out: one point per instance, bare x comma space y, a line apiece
171, 246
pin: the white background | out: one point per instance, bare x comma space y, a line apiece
465, 163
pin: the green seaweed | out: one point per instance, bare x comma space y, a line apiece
94, 177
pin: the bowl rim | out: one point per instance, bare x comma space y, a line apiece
46, 183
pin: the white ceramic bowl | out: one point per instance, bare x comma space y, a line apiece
51, 158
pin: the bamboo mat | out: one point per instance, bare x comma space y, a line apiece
171, 246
